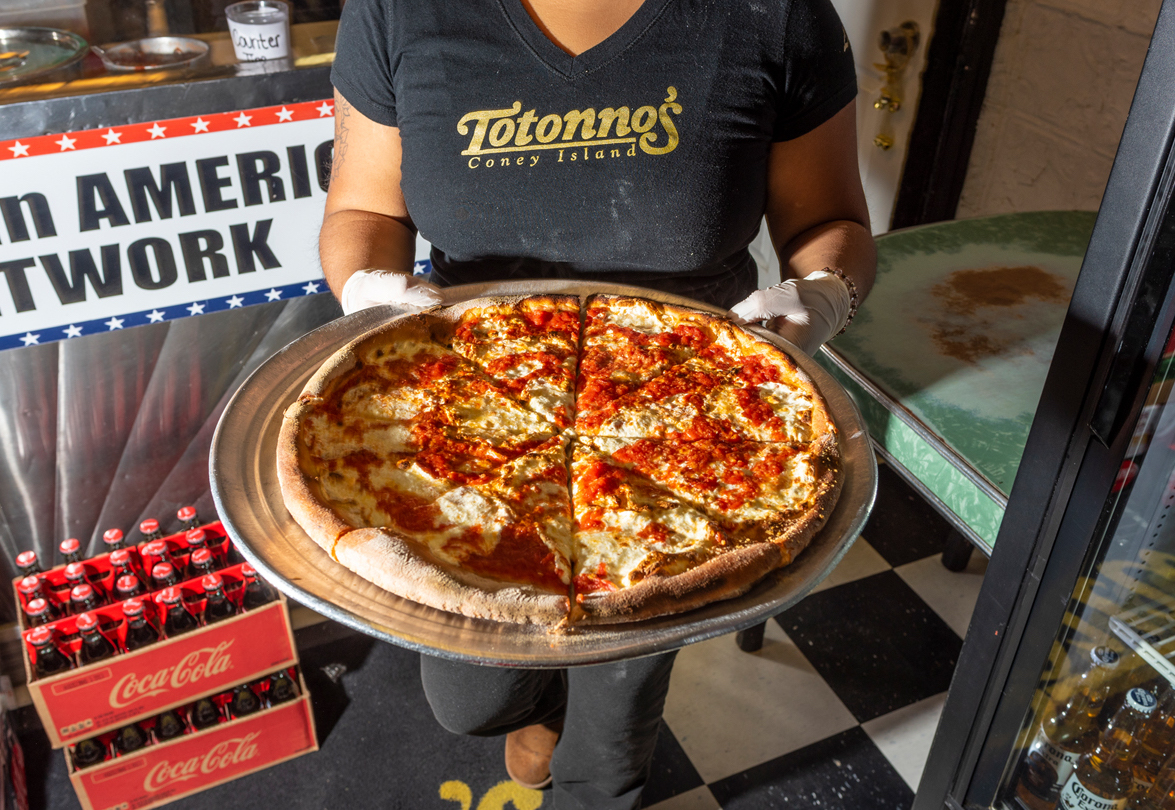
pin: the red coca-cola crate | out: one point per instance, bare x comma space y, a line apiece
85, 701
168, 771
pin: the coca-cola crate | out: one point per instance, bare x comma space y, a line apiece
180, 767
100, 572
87, 700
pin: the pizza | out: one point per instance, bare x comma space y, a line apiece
560, 461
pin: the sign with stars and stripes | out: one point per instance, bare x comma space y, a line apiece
127, 225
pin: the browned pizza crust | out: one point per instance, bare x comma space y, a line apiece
793, 533
404, 568
299, 490
724, 577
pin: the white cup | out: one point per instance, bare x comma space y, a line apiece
260, 29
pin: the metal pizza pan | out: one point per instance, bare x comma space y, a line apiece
245, 489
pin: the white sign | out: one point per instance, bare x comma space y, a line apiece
111, 228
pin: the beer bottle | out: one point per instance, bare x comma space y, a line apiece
1066, 734
1156, 741
1102, 778
48, 660
163, 575
27, 564
149, 528
71, 550
168, 726
205, 713
1160, 795
130, 739
89, 752
95, 646
179, 619
281, 688
257, 591
188, 517
244, 701
112, 540
82, 598
139, 632
217, 606
201, 564
122, 563
37, 613
128, 586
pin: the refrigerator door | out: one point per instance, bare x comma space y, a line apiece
1083, 558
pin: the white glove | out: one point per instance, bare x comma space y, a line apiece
370, 288
807, 311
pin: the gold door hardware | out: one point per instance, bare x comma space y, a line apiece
897, 45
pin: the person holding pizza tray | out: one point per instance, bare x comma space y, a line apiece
627, 141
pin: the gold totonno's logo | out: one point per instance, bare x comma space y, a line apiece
501, 137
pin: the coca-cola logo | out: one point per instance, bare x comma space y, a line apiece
195, 666
224, 754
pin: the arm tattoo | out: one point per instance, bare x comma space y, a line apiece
342, 113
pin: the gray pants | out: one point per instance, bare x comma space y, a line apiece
613, 713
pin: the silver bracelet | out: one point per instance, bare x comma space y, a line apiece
854, 299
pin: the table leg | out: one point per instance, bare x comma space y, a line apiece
957, 552
751, 639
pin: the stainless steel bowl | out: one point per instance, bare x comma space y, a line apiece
152, 53
38, 53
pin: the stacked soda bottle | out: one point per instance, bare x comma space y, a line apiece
1066, 734
241, 701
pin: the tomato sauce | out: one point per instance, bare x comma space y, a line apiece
520, 556
594, 581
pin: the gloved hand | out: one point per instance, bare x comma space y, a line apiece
370, 288
807, 311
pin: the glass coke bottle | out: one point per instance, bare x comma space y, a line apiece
281, 688
122, 563
139, 631
76, 574
113, 540
28, 564
257, 590
205, 713
201, 564
163, 575
71, 550
149, 528
89, 752
217, 606
154, 553
95, 646
128, 586
179, 619
82, 598
188, 518
1102, 779
37, 613
168, 726
130, 739
244, 701
47, 658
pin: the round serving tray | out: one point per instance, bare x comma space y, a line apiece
245, 488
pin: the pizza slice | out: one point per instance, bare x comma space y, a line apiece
527, 345
700, 399
640, 551
406, 380
755, 491
629, 341
497, 547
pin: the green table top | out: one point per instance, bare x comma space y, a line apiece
960, 329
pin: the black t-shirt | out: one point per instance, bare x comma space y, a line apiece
643, 156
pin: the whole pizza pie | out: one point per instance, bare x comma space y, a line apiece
556, 460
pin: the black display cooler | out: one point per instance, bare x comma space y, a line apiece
1085, 558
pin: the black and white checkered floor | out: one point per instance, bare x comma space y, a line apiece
836, 711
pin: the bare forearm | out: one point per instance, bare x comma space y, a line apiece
360, 240
843, 244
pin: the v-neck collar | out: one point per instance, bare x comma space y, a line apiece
569, 65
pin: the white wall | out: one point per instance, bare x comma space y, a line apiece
1060, 88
